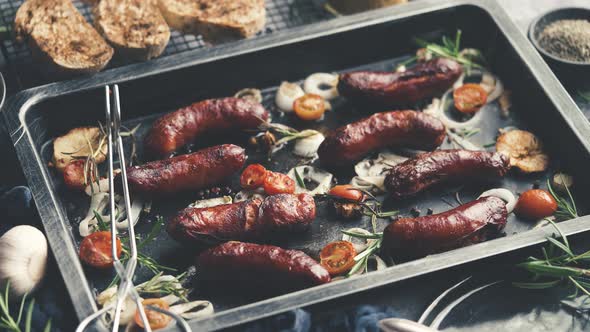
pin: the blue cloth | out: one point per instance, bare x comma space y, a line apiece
363, 318
51, 300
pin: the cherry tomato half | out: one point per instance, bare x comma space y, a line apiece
338, 257
253, 176
535, 204
156, 319
277, 183
309, 107
95, 250
469, 98
348, 192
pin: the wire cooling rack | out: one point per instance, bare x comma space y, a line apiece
280, 15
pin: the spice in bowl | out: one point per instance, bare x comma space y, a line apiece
567, 39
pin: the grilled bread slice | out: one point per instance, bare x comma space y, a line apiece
215, 20
135, 28
60, 36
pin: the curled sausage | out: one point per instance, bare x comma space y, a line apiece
432, 168
352, 142
467, 224
202, 169
176, 129
391, 89
249, 220
247, 265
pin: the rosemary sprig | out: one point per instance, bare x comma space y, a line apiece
370, 207
142, 259
566, 206
450, 48
288, 134
559, 266
8, 323
362, 258
158, 286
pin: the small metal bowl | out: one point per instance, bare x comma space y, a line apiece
539, 24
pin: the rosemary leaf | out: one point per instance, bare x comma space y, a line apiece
300, 181
375, 236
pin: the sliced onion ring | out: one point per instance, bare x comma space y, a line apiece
286, 96
504, 194
314, 82
436, 109
307, 147
313, 174
250, 93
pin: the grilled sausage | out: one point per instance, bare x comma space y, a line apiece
409, 129
249, 220
391, 89
174, 130
201, 169
467, 224
260, 267
428, 169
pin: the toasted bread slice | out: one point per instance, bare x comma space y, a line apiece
215, 20
135, 28
59, 35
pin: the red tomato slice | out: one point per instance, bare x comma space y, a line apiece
348, 192
338, 257
95, 250
156, 319
277, 183
469, 98
253, 176
535, 204
309, 107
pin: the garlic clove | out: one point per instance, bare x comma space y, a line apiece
23, 259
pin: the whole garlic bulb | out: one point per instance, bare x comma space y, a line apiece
23, 258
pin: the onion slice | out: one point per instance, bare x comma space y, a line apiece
245, 195
371, 172
504, 194
436, 109
314, 83
286, 96
307, 147
312, 174
211, 202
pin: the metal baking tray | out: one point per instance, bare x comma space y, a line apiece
280, 15
377, 40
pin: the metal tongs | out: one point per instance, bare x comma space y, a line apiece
125, 273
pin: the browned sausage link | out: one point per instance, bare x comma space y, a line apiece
409, 129
469, 223
428, 169
174, 130
249, 220
390, 89
266, 265
201, 169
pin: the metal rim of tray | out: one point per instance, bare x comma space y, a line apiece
56, 225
